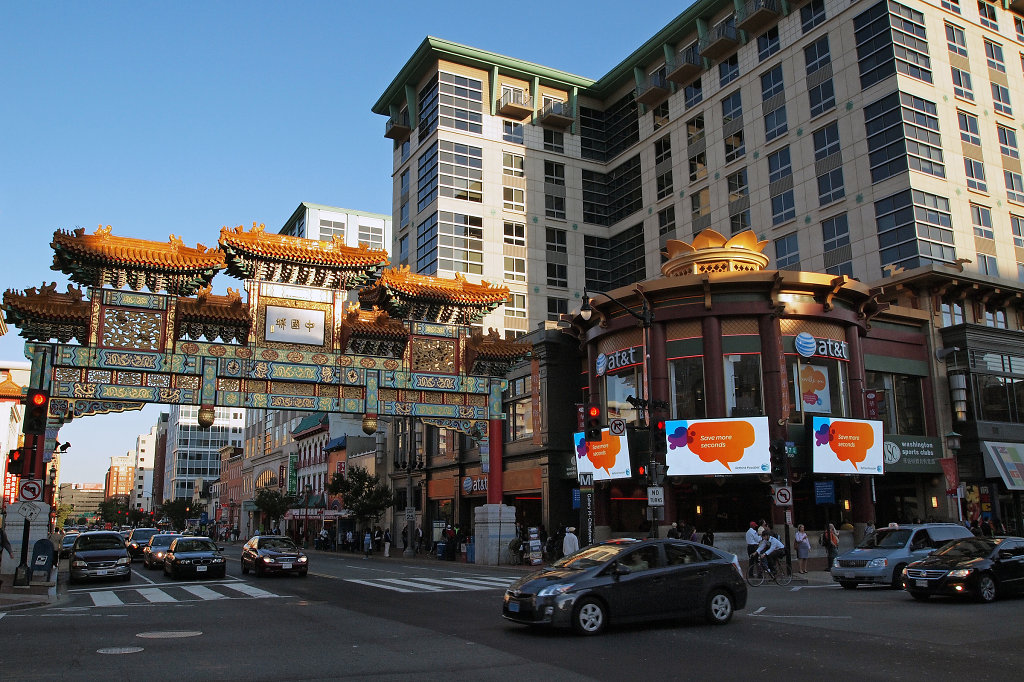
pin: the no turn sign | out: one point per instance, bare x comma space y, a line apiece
783, 495
30, 490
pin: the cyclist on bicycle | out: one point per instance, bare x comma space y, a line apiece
770, 548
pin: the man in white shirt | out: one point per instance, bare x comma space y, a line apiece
571, 544
752, 538
770, 548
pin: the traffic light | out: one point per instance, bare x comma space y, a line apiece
15, 462
593, 430
777, 448
642, 474
659, 444
37, 407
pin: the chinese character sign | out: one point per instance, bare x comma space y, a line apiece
295, 325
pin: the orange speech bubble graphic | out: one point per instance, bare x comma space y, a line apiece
720, 441
851, 441
603, 453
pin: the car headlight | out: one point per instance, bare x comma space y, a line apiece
159, 555
123, 561
880, 562
134, 545
218, 560
184, 561
303, 559
960, 572
552, 590
267, 559
78, 563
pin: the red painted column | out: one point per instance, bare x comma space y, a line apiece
714, 375
496, 446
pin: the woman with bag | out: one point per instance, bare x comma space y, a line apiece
803, 548
830, 541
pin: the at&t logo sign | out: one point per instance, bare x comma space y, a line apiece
809, 346
615, 360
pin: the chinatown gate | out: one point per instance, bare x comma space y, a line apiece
322, 327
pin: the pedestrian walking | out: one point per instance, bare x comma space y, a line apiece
405, 537
350, 541
803, 548
673, 532
571, 544
5, 545
387, 542
752, 538
830, 541
419, 540
708, 538
367, 544
378, 538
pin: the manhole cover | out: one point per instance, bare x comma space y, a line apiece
120, 650
170, 634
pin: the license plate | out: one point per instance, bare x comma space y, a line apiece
102, 572
513, 606
921, 583
200, 569
286, 565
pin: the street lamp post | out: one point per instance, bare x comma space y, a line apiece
643, 403
305, 524
409, 463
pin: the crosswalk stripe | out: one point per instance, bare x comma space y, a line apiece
203, 592
154, 594
374, 583
105, 599
411, 583
464, 583
249, 590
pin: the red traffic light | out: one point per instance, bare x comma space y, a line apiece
660, 425
38, 399
594, 412
641, 470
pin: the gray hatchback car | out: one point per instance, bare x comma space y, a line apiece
881, 557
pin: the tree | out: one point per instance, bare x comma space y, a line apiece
113, 510
179, 510
363, 494
63, 511
272, 503
137, 516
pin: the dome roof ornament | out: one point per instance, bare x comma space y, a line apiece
712, 252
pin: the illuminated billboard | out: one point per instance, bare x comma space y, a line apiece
847, 446
717, 446
606, 459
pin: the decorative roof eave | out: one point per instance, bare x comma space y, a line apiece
294, 260
42, 314
311, 425
102, 258
493, 355
407, 295
9, 390
213, 317
372, 332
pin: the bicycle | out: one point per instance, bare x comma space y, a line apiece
760, 572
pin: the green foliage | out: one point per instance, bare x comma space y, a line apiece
113, 511
179, 510
63, 511
363, 494
272, 503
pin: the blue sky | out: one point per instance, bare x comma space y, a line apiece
182, 117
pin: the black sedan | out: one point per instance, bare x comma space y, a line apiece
983, 568
628, 580
273, 554
156, 548
66, 543
99, 554
194, 556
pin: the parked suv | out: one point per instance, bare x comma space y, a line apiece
881, 557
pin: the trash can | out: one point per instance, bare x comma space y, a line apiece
470, 553
440, 550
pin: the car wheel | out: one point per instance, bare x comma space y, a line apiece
589, 617
245, 569
848, 585
720, 607
920, 596
986, 588
897, 576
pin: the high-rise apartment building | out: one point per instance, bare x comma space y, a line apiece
859, 138
352, 228
120, 478
145, 452
193, 453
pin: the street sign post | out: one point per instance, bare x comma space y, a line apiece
30, 490
782, 495
655, 496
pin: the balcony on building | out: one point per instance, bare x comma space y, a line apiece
720, 42
556, 114
515, 104
688, 66
397, 127
757, 15
1017, 6
654, 90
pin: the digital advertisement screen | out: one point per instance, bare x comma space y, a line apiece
606, 459
717, 446
847, 446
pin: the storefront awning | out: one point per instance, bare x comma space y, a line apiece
1007, 461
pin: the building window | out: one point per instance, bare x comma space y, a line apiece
667, 221
557, 307
1001, 99
403, 249
554, 141
826, 141
1014, 186
659, 115
875, 58
775, 124
687, 387
515, 234
693, 94
952, 312
460, 243
403, 215
698, 167
738, 222
981, 217
822, 97
461, 175
994, 56
743, 385
513, 164
1018, 26
732, 108
812, 14
512, 131
835, 232
962, 86
515, 269
728, 70
515, 306
461, 101
783, 207
737, 184
968, 128
513, 199
956, 40
768, 43
734, 146
952, 5
779, 165
1017, 227
830, 186
817, 55
987, 265
662, 150
914, 228
664, 185
787, 252
695, 129
987, 14
558, 275
975, 172
554, 206
700, 203
889, 153
555, 240
554, 173
993, 318
1008, 141
771, 84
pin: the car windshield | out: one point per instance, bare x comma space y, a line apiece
162, 540
195, 546
592, 556
69, 539
94, 542
277, 543
971, 548
141, 536
887, 538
